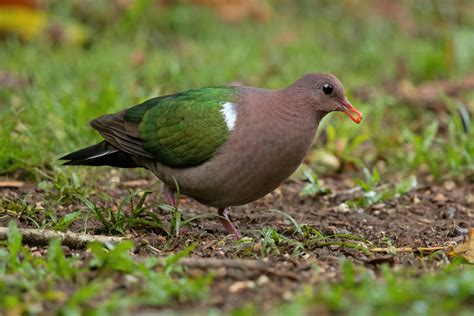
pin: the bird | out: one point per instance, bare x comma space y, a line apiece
223, 146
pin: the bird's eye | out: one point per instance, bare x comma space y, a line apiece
327, 89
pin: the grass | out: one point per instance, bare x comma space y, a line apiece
30, 284
56, 279
377, 194
451, 155
113, 82
360, 292
69, 84
118, 221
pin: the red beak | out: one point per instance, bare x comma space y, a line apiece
350, 110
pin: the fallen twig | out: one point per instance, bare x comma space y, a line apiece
136, 183
213, 263
11, 184
242, 264
72, 240
408, 249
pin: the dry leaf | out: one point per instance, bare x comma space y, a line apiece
466, 249
237, 10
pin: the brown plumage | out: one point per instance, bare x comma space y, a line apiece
272, 132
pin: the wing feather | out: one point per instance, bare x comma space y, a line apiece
180, 130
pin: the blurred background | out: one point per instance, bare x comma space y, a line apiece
407, 65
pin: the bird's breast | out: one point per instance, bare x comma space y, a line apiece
262, 158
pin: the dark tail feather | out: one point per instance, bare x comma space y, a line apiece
101, 154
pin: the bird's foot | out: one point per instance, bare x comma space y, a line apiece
170, 197
229, 227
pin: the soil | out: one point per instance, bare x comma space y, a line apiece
433, 214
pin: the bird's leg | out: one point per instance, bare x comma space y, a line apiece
229, 227
170, 197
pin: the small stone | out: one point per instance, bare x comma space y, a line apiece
416, 200
287, 295
221, 272
131, 279
343, 208
241, 285
440, 198
470, 198
449, 185
262, 280
379, 206
114, 179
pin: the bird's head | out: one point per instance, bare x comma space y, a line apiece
327, 94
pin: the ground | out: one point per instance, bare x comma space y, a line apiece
429, 216
377, 221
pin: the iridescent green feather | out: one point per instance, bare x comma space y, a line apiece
185, 129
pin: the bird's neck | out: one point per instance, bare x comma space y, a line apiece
296, 102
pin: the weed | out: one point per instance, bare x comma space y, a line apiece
440, 156
315, 239
315, 185
302, 239
63, 183
374, 194
289, 218
271, 242
421, 147
119, 220
13, 246
65, 221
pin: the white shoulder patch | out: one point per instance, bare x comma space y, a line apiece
230, 114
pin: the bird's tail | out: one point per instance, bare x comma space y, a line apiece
101, 154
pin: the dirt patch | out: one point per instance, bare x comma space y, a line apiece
430, 215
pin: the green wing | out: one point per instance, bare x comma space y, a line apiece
185, 129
